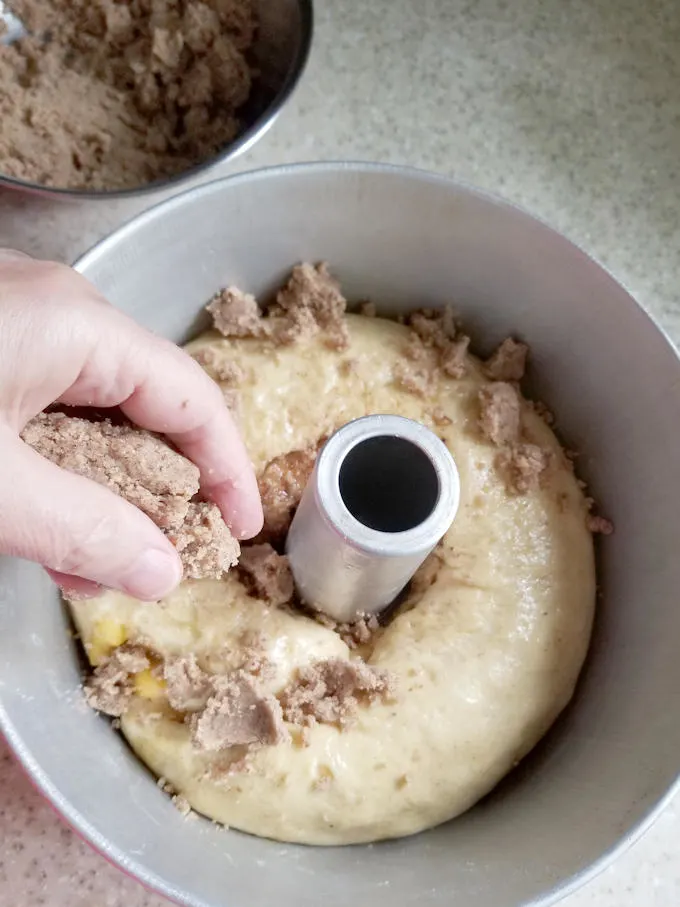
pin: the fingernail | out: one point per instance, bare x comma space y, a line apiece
153, 575
250, 530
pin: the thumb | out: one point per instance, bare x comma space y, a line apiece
73, 526
12, 255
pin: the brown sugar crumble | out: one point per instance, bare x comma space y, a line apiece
308, 305
226, 373
266, 574
142, 468
110, 687
354, 634
434, 345
204, 543
281, 484
238, 714
508, 362
524, 465
332, 691
187, 686
232, 709
109, 94
598, 525
137, 465
254, 659
452, 357
218, 367
311, 302
500, 411
440, 418
368, 309
435, 327
358, 632
413, 376
546, 414
236, 314
182, 805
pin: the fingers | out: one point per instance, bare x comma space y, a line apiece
77, 528
227, 476
161, 388
68, 345
173, 395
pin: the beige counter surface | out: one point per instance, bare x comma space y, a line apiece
570, 109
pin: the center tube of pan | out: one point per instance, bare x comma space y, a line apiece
384, 491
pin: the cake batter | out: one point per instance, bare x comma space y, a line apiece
447, 696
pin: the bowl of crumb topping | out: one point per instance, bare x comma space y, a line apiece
506, 728
110, 99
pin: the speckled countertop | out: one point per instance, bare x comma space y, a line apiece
570, 108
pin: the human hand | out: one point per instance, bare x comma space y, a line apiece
61, 342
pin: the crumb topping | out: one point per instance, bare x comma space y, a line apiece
333, 690
110, 689
435, 327
598, 525
266, 574
452, 357
499, 417
205, 543
508, 362
188, 687
135, 464
311, 301
309, 304
182, 805
142, 468
354, 634
415, 373
359, 632
219, 367
368, 309
281, 485
433, 346
236, 314
544, 413
239, 713
439, 417
524, 465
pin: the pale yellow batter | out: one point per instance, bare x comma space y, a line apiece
485, 658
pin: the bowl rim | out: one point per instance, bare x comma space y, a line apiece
231, 150
131, 866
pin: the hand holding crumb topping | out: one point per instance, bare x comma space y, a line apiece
96, 502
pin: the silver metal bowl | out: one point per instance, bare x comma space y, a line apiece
280, 52
404, 239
